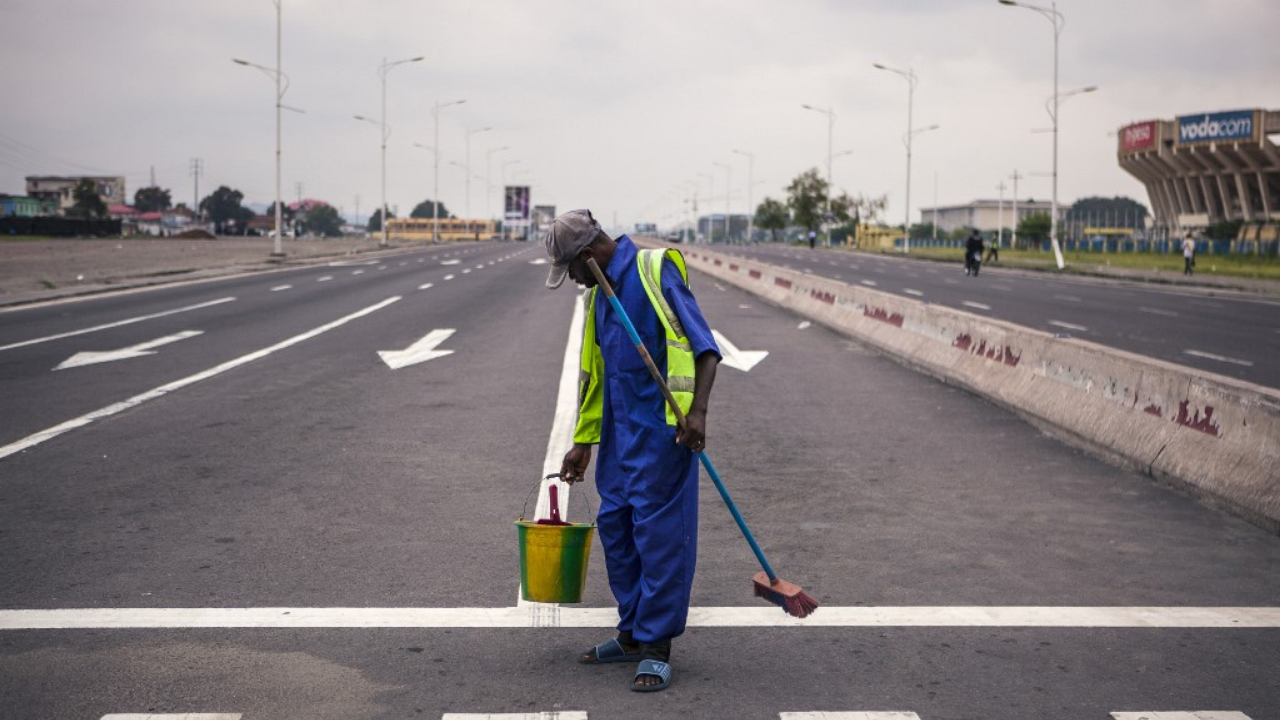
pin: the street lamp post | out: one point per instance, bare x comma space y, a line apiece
435, 170
383, 70
468, 166
910, 76
751, 175
728, 186
831, 125
1052, 15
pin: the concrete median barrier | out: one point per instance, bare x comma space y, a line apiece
1216, 437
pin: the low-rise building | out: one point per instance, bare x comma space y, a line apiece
60, 190
22, 206
986, 215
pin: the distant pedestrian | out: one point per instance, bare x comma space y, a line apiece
813, 238
993, 249
1188, 255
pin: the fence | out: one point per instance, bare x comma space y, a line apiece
58, 227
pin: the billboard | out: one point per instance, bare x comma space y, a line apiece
1231, 126
516, 206
1138, 136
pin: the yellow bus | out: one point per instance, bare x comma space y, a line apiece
451, 229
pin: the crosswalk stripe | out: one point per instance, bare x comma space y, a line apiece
1182, 715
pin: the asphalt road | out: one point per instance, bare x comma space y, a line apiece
286, 465
1220, 331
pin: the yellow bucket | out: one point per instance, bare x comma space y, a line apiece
553, 558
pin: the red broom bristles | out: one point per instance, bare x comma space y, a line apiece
789, 596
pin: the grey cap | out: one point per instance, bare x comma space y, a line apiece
568, 235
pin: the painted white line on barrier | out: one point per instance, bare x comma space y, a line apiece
975, 305
607, 617
553, 715
917, 293
172, 716
1219, 358
33, 440
118, 323
278, 288
1069, 326
883, 715
1158, 311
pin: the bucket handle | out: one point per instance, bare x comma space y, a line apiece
555, 509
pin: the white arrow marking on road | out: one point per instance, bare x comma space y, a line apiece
90, 358
731, 356
421, 351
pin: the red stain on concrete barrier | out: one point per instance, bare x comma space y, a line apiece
962, 342
996, 353
879, 314
1204, 424
782, 283
1154, 409
755, 274
718, 263
733, 267
825, 297
1011, 359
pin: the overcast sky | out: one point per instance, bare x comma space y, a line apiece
622, 107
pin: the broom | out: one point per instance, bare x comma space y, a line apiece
790, 597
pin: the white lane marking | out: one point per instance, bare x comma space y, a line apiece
480, 266
448, 277
744, 307
869, 283
466, 270
1219, 358
382, 267
1182, 715
455, 261
133, 351
553, 715
975, 305
917, 293
873, 715
737, 359
1204, 303
172, 716
855, 267
420, 351
402, 264
278, 288
357, 272
130, 321
539, 261
881, 715
804, 325
607, 617
1069, 326
565, 419
56, 430
425, 286
949, 281
324, 278
1158, 311
1068, 298
421, 260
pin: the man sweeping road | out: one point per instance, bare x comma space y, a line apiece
646, 468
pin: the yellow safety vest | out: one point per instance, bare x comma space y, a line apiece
680, 366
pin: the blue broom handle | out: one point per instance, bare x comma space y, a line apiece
702, 456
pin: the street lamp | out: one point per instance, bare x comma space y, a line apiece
831, 123
1052, 15
728, 186
910, 76
435, 214
383, 70
468, 166
488, 178
278, 75
751, 175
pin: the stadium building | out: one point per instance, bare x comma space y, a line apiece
1206, 168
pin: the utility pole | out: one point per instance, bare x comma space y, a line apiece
1014, 242
1000, 214
197, 166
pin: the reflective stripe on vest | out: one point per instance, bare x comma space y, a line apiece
680, 361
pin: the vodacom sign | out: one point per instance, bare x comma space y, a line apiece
1216, 127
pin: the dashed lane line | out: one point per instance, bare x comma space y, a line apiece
1219, 358
1068, 326
425, 286
50, 433
869, 283
278, 288
324, 278
1181, 715
553, 715
118, 323
1067, 298
975, 305
887, 715
1158, 311
607, 617
917, 293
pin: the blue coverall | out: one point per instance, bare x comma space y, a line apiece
648, 484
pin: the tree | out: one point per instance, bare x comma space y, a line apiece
87, 201
223, 207
423, 210
1224, 230
375, 220
772, 215
1034, 227
807, 199
322, 220
152, 199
